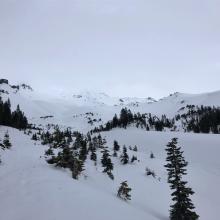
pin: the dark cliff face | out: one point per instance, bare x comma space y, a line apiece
3, 81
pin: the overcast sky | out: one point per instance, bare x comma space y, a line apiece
122, 47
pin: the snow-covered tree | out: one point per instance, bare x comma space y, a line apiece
124, 157
116, 148
135, 148
6, 140
124, 191
107, 163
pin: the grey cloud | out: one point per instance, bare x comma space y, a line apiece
125, 48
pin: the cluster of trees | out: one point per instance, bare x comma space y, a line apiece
71, 155
201, 119
67, 158
56, 139
10, 118
75, 148
146, 121
197, 119
124, 157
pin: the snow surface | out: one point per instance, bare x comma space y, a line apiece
32, 189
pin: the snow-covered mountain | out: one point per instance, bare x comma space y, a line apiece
32, 189
75, 110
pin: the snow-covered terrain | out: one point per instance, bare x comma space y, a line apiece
32, 189
72, 110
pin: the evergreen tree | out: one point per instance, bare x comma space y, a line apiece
49, 152
107, 163
93, 155
34, 137
100, 142
77, 167
7, 113
116, 148
152, 155
2, 145
124, 157
135, 148
6, 140
115, 121
150, 172
182, 209
124, 117
18, 119
83, 150
134, 158
124, 190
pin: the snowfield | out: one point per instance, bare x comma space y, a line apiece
32, 189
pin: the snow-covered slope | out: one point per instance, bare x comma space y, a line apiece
32, 189
172, 104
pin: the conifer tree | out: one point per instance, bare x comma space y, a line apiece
107, 163
6, 140
116, 147
124, 157
152, 155
93, 155
49, 152
83, 150
115, 121
134, 158
135, 148
182, 209
2, 145
77, 166
123, 191
34, 137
